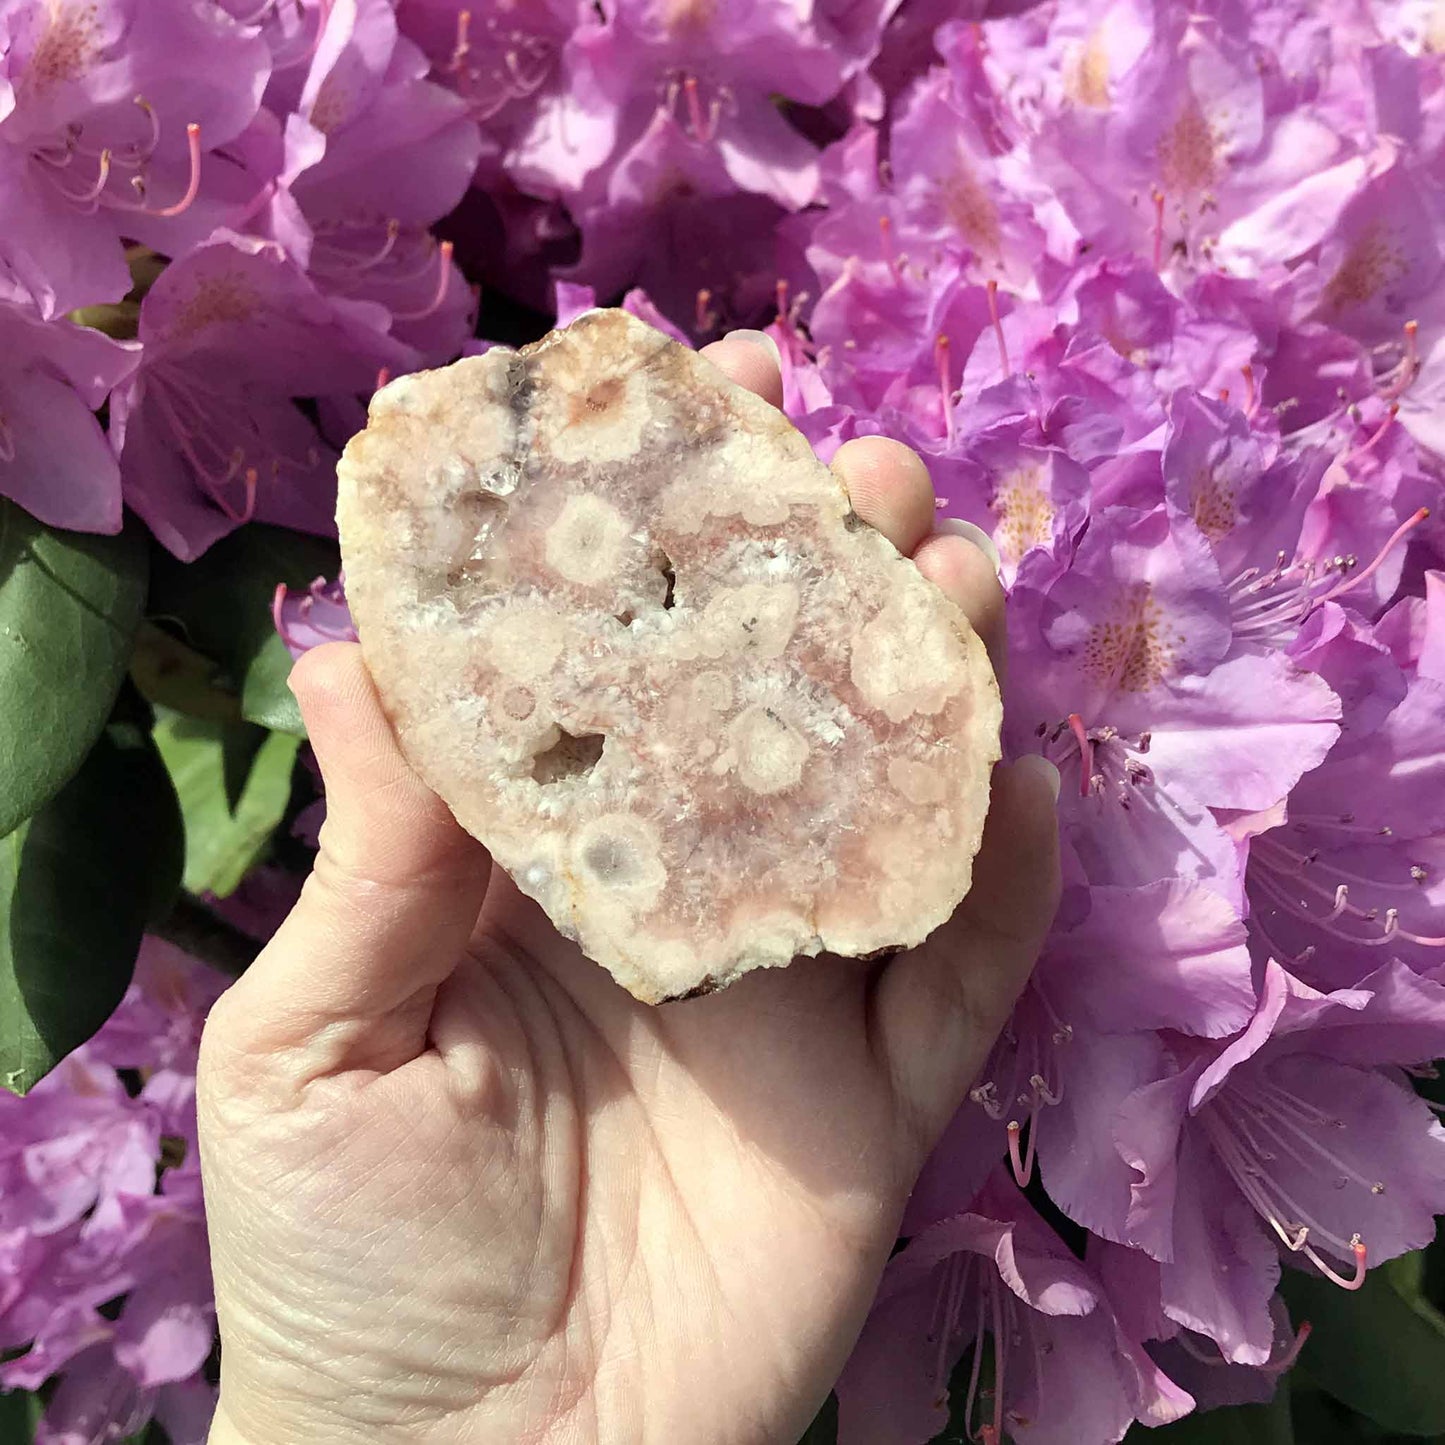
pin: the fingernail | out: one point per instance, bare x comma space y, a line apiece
759, 338
957, 527
1032, 762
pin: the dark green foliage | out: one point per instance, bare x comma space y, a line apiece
79, 883
69, 608
1381, 1351
219, 608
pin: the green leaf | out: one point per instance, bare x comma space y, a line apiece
1433, 1283
69, 608
1378, 1351
221, 606
20, 1412
1239, 1425
1321, 1420
173, 675
1406, 1273
265, 698
79, 882
234, 783
824, 1429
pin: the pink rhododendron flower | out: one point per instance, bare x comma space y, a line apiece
375, 154
103, 135
1078, 1043
1127, 674
1292, 1136
85, 1223
306, 619
1350, 874
1062, 1368
54, 457
209, 432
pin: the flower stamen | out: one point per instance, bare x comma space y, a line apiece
1409, 367
992, 290
890, 251
1251, 392
1086, 753
444, 276
1230, 1126
1395, 537
1375, 437
945, 388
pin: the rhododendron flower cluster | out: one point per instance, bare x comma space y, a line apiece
106, 1278
1154, 288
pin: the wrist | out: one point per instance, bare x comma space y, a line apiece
223, 1432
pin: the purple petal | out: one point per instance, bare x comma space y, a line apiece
1355, 1152
1392, 778
1225, 1269
166, 1326
185, 1410
571, 301
70, 1330
1182, 950
1079, 1393
1214, 1382
955, 1171
96, 1400
1147, 1131
1244, 735
894, 1388
1083, 1171
54, 459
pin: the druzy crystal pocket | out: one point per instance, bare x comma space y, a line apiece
628, 626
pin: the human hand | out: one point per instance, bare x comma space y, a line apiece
463, 1188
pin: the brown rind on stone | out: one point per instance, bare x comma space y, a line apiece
700, 990
601, 538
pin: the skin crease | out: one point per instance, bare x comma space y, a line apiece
462, 1188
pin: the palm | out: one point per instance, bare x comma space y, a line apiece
727, 1176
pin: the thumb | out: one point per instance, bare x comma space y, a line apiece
389, 906
940, 1006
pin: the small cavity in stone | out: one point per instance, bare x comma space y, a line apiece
569, 757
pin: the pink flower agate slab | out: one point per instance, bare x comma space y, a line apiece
627, 626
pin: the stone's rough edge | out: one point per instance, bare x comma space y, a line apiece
348, 513
701, 990
710, 984
520, 385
